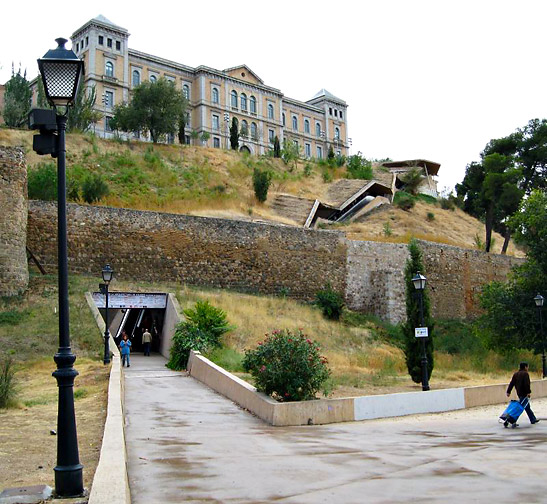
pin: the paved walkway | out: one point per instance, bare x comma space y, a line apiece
186, 443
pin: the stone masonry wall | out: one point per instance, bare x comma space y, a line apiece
195, 250
13, 221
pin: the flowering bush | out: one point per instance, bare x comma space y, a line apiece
287, 366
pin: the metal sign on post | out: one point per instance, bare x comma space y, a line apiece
421, 332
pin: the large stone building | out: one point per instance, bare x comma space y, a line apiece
214, 96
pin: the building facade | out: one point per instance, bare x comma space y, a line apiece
214, 97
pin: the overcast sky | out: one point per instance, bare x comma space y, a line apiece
423, 79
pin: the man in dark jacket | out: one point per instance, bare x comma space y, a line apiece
521, 382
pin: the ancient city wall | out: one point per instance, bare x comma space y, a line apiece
13, 221
222, 253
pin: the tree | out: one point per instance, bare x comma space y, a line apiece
276, 147
205, 137
290, 152
261, 184
182, 127
194, 135
17, 99
234, 134
156, 107
412, 180
330, 154
82, 114
413, 345
510, 319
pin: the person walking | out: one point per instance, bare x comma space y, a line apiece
146, 341
521, 382
125, 347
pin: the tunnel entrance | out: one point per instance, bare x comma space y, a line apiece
133, 312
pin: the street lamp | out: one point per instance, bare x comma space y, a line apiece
61, 71
107, 274
419, 282
539, 303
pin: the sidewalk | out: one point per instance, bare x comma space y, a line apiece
185, 443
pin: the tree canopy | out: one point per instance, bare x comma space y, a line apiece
82, 114
17, 99
156, 107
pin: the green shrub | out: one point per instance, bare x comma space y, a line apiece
447, 203
359, 167
94, 188
187, 337
42, 182
387, 229
430, 216
330, 302
261, 184
210, 320
404, 201
327, 177
287, 366
308, 169
7, 383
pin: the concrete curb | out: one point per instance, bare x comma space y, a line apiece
111, 483
324, 411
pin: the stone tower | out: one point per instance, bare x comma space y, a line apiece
13, 221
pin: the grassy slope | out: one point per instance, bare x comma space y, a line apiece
218, 183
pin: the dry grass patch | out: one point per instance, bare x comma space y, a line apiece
28, 451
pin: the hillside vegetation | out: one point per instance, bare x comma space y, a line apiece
211, 182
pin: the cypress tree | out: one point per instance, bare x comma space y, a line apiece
413, 345
276, 147
234, 134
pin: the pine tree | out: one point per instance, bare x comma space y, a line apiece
413, 345
234, 134
17, 99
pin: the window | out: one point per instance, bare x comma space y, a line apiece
215, 95
295, 142
319, 152
216, 142
270, 111
118, 45
317, 130
271, 136
107, 126
294, 123
216, 122
244, 128
243, 101
153, 78
252, 104
308, 150
337, 133
108, 99
283, 118
136, 78
86, 41
335, 113
186, 91
254, 131
109, 69
101, 40
233, 96
77, 46
341, 116
330, 110
306, 126
109, 42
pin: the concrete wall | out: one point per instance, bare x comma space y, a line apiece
173, 315
13, 222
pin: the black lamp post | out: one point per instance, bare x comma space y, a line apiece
539, 303
107, 273
419, 282
61, 70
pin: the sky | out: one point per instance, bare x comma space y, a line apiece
422, 79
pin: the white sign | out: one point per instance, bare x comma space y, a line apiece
421, 332
130, 300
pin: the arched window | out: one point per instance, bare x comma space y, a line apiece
136, 78
294, 123
306, 126
317, 129
243, 101
254, 131
233, 94
270, 111
337, 133
252, 104
153, 78
109, 69
244, 128
283, 115
186, 91
215, 95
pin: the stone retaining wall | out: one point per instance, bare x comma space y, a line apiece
13, 221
